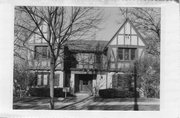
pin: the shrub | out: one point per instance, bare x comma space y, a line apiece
122, 81
115, 93
45, 92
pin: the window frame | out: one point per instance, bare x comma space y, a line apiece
135, 51
85, 60
42, 79
129, 54
56, 79
41, 53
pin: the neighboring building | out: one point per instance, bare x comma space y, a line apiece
88, 65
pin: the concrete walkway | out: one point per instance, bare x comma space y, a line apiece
80, 105
81, 98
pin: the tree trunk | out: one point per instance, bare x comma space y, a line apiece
51, 82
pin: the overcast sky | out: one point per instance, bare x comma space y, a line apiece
111, 23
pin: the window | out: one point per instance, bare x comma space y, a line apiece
126, 54
120, 53
133, 54
43, 79
39, 80
41, 52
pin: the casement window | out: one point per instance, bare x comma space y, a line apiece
41, 52
126, 54
133, 54
43, 79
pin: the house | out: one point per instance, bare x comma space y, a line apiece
88, 65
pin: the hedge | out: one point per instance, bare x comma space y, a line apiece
115, 93
45, 92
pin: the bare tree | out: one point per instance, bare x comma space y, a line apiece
63, 24
148, 76
147, 21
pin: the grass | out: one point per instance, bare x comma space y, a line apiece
93, 103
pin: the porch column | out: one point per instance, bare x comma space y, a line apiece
72, 82
94, 85
109, 77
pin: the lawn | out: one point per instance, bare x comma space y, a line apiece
90, 103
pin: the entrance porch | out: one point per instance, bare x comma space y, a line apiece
83, 83
89, 82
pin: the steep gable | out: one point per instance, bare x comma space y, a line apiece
127, 34
35, 38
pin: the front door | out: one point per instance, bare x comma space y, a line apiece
85, 83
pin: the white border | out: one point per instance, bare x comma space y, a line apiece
170, 60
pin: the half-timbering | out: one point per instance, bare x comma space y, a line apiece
89, 65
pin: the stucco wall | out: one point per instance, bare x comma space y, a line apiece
103, 81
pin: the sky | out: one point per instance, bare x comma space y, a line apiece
111, 23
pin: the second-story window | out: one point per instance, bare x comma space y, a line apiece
133, 54
126, 54
41, 52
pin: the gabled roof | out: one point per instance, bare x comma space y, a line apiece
135, 29
33, 31
86, 45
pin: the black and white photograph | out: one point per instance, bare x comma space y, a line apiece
89, 58
86, 58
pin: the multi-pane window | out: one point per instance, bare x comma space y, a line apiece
41, 52
120, 54
133, 54
126, 54
39, 80
43, 79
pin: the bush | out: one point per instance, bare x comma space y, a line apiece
152, 93
115, 93
45, 92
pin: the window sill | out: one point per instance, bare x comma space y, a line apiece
42, 59
126, 61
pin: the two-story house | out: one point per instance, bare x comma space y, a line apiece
89, 65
